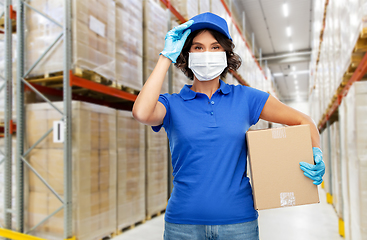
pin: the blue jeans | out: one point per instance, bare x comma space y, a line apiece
239, 231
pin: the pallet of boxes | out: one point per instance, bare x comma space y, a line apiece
155, 29
93, 171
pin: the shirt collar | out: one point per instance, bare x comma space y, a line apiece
187, 94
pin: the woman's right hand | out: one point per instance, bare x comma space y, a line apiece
175, 39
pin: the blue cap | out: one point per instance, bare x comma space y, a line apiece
211, 21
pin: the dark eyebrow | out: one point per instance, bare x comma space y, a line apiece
197, 43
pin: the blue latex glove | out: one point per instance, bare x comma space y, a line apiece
314, 172
175, 39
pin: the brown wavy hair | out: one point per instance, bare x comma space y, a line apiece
233, 60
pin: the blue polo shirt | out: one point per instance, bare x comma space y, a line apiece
207, 140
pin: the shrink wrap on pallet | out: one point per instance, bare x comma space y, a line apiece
130, 170
187, 8
93, 36
93, 171
204, 6
155, 30
129, 43
2, 73
336, 169
2, 183
230, 79
217, 7
344, 168
156, 171
179, 79
355, 110
325, 153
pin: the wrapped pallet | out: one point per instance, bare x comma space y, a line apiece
345, 218
336, 169
2, 183
156, 171
93, 171
93, 36
204, 6
155, 30
187, 8
2, 73
217, 7
179, 79
328, 164
130, 170
356, 145
129, 43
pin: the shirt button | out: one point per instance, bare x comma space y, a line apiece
211, 113
212, 102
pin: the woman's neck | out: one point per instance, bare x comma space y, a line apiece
206, 87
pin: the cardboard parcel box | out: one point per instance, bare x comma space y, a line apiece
277, 180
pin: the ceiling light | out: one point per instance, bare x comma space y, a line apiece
285, 10
278, 74
296, 87
291, 47
294, 75
289, 31
294, 68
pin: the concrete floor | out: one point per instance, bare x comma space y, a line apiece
316, 222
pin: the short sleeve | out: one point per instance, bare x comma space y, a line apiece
163, 98
256, 100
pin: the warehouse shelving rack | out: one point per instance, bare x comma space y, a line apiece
21, 153
331, 113
69, 80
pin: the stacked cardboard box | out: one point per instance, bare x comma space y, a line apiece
155, 30
156, 171
343, 23
93, 171
187, 8
355, 110
131, 170
129, 43
93, 36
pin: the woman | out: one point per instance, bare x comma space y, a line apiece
206, 125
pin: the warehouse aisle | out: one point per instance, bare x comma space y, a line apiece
316, 222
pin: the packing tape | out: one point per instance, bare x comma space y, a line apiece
278, 133
287, 199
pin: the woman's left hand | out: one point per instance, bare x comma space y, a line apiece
317, 171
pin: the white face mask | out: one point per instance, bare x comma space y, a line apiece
207, 65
